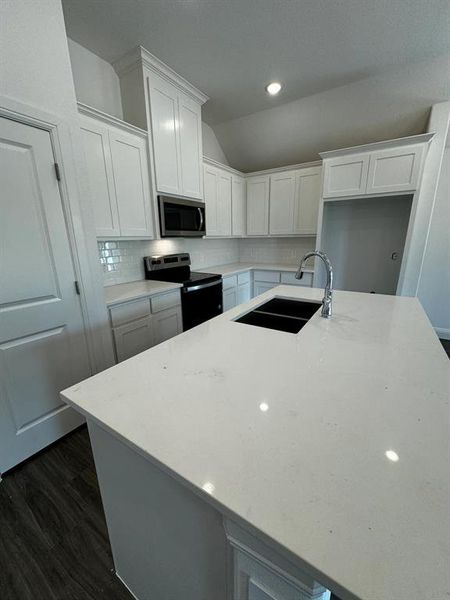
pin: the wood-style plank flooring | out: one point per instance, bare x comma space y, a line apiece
53, 537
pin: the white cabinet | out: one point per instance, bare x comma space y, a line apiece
218, 189
117, 168
176, 130
132, 338
395, 169
346, 176
229, 298
258, 205
132, 184
389, 167
140, 324
238, 206
237, 289
282, 201
307, 200
167, 324
260, 287
100, 177
261, 573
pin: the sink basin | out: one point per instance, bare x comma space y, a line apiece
281, 314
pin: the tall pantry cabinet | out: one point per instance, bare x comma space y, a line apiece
156, 98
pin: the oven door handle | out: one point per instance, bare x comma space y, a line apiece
201, 286
200, 212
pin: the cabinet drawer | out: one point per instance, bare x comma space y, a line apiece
244, 278
229, 282
272, 276
164, 301
289, 279
129, 311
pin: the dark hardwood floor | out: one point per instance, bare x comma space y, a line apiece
53, 538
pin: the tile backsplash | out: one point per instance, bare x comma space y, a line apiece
285, 251
122, 260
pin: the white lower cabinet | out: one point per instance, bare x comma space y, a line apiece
244, 292
167, 324
138, 325
260, 573
132, 338
261, 287
229, 298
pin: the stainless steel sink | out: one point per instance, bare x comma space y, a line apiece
282, 314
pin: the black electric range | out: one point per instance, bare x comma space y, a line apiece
201, 294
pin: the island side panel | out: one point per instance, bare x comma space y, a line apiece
166, 542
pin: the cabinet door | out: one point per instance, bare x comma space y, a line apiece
191, 152
244, 292
211, 176
224, 203
100, 177
229, 298
132, 184
345, 176
282, 197
395, 169
238, 206
132, 338
307, 200
258, 205
165, 123
167, 324
260, 288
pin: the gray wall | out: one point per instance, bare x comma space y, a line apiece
386, 106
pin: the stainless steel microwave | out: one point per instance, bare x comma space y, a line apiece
181, 218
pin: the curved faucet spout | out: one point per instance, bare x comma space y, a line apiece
328, 295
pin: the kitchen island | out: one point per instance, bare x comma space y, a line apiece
242, 463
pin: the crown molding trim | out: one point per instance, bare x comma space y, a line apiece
142, 57
422, 138
90, 111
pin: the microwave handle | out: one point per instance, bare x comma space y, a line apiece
200, 212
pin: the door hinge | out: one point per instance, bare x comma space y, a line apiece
77, 287
57, 172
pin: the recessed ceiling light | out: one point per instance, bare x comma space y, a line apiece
392, 455
273, 88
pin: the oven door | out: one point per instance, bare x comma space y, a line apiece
181, 218
200, 303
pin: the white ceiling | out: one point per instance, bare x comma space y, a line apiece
230, 49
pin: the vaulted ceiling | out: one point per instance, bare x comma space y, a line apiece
230, 49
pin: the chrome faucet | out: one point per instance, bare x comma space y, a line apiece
327, 298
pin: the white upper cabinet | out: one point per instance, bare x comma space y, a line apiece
389, 167
238, 206
395, 169
346, 176
307, 200
218, 188
258, 205
131, 181
191, 153
100, 176
282, 200
164, 132
117, 168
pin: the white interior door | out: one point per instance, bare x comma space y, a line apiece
42, 337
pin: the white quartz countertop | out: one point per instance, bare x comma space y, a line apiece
234, 268
289, 432
123, 292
